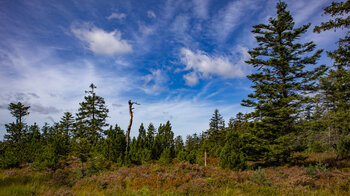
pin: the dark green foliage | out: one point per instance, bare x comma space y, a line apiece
343, 147
82, 150
9, 157
140, 152
91, 118
279, 83
164, 139
192, 142
216, 134
141, 139
190, 157
16, 131
114, 144
66, 125
150, 136
182, 156
179, 145
335, 95
340, 10
232, 156
165, 157
18, 111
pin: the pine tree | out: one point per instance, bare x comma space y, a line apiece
280, 83
91, 118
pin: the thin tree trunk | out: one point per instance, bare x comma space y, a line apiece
205, 158
130, 124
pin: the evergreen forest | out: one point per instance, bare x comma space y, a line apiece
295, 140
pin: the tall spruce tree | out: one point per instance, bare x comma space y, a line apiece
280, 83
91, 118
336, 85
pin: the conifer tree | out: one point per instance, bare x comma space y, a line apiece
150, 136
215, 134
336, 85
66, 125
16, 131
91, 118
18, 111
164, 139
179, 145
141, 139
114, 144
280, 83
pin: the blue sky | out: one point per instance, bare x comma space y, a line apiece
180, 59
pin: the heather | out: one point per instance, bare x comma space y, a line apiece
320, 174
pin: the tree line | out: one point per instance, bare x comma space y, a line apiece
297, 106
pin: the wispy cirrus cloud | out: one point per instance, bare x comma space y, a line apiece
102, 42
231, 16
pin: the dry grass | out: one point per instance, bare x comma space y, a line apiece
315, 176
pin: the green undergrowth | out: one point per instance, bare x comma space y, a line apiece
315, 177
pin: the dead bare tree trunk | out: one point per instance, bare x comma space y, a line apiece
130, 124
205, 158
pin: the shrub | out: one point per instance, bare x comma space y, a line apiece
314, 170
9, 159
343, 147
182, 156
259, 178
165, 157
316, 147
231, 156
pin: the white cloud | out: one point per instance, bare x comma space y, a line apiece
119, 16
37, 77
204, 65
102, 42
155, 82
151, 14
